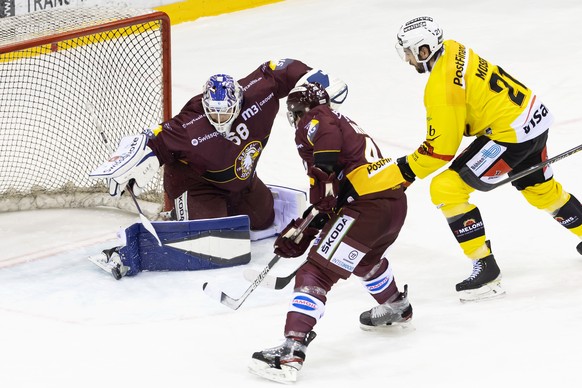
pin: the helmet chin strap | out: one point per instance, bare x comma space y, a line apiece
427, 64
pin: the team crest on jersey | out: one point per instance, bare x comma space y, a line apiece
247, 159
312, 128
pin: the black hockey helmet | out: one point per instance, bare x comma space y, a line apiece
303, 98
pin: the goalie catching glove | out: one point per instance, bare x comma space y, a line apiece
133, 163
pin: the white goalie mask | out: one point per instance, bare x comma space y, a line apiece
418, 32
222, 100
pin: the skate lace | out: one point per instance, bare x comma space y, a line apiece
477, 268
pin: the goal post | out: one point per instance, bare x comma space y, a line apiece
70, 79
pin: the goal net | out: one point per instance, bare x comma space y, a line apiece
73, 83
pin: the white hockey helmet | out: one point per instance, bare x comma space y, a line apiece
418, 32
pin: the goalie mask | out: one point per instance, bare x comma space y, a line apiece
416, 33
222, 99
303, 98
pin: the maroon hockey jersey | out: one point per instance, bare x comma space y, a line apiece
327, 137
228, 163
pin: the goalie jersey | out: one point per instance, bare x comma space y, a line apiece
227, 163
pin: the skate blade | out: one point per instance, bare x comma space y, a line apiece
488, 291
393, 328
108, 266
285, 375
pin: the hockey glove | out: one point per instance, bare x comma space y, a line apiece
286, 247
323, 189
133, 164
406, 171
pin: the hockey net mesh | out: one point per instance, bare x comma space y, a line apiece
68, 75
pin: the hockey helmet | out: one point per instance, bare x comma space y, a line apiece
418, 32
303, 98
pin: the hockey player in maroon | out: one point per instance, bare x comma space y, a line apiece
210, 152
362, 207
212, 147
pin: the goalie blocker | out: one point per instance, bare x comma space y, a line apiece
196, 244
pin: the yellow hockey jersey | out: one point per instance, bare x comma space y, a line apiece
467, 95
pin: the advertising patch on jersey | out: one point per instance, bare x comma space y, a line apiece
468, 229
312, 128
486, 158
332, 240
377, 166
306, 304
280, 63
247, 159
534, 120
460, 66
347, 257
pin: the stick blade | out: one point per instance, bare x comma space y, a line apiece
220, 296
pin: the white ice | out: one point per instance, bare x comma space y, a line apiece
65, 323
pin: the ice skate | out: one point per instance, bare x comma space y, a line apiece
281, 363
483, 283
396, 312
110, 262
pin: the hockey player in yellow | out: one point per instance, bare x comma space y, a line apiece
466, 95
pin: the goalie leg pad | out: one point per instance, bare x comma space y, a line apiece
187, 245
289, 204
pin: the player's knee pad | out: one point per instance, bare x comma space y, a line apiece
548, 196
308, 303
450, 193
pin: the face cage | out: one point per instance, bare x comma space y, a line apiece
294, 118
221, 125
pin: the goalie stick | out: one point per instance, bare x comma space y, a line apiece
144, 220
236, 303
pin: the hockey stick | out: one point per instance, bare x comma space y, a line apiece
144, 220
273, 282
534, 168
236, 303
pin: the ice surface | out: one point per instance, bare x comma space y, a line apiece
65, 323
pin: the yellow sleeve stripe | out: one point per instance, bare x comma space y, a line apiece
375, 177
